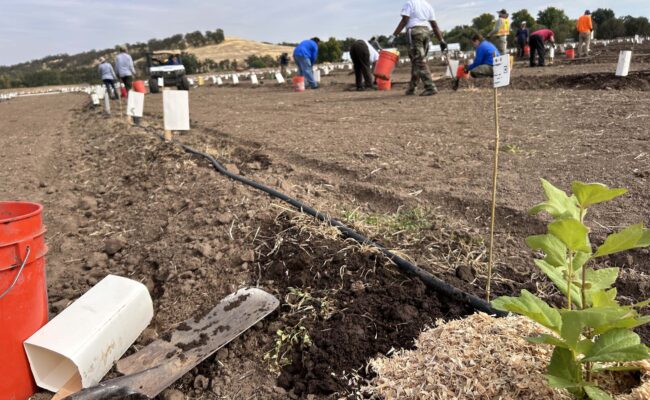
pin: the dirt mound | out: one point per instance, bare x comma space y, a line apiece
361, 307
592, 81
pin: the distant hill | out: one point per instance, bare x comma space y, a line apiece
234, 48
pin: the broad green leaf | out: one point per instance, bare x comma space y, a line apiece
642, 304
619, 345
630, 322
552, 247
572, 327
532, 307
602, 298
564, 371
627, 239
573, 233
595, 393
557, 203
593, 193
602, 278
557, 277
547, 339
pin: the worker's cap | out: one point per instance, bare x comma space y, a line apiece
587, 12
101, 59
121, 48
523, 23
503, 12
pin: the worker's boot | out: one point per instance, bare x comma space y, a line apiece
410, 91
429, 91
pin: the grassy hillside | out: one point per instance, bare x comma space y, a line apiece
234, 48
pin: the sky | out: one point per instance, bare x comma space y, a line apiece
31, 29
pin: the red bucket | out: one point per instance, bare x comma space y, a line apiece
527, 50
299, 83
23, 293
139, 87
570, 54
386, 64
384, 84
460, 72
124, 93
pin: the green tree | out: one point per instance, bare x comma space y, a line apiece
484, 23
522, 16
461, 34
195, 39
611, 29
329, 51
191, 62
556, 20
636, 26
601, 15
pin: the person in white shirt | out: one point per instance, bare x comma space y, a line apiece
417, 17
364, 56
125, 68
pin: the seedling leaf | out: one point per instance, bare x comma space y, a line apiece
560, 281
589, 194
627, 239
645, 240
532, 307
553, 248
572, 233
563, 371
547, 339
619, 345
557, 203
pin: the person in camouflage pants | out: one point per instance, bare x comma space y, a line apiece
418, 51
417, 17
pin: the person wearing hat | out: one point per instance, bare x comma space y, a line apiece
107, 74
585, 27
483, 65
125, 68
522, 39
364, 56
501, 31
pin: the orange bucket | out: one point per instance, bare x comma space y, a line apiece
526, 50
386, 64
570, 54
460, 72
384, 84
298, 83
139, 87
23, 293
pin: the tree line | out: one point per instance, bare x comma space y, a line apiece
65, 69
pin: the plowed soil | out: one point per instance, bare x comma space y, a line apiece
412, 173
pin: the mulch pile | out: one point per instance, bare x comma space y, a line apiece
479, 357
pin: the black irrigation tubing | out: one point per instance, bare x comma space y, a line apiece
405, 266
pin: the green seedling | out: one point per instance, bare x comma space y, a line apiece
593, 333
278, 356
302, 302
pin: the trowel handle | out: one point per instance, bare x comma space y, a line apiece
102, 392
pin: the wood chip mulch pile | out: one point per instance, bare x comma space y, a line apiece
479, 357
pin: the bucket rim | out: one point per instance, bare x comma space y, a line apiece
38, 209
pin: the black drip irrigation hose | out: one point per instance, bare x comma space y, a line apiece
405, 266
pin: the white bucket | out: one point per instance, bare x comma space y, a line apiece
91, 334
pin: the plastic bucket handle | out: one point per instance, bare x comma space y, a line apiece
20, 271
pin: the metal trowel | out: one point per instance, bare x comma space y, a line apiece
158, 365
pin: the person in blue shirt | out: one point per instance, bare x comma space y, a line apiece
173, 60
305, 55
484, 60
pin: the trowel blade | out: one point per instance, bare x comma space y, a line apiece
160, 364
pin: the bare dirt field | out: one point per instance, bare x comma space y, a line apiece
411, 173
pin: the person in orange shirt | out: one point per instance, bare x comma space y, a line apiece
585, 27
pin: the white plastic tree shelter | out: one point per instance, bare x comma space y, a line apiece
279, 78
107, 103
235, 79
454, 68
176, 108
219, 81
135, 104
91, 334
624, 61
161, 82
95, 99
254, 80
317, 75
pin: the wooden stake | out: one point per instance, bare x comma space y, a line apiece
495, 174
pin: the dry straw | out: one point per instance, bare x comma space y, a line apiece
479, 357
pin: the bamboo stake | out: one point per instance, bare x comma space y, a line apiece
495, 173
